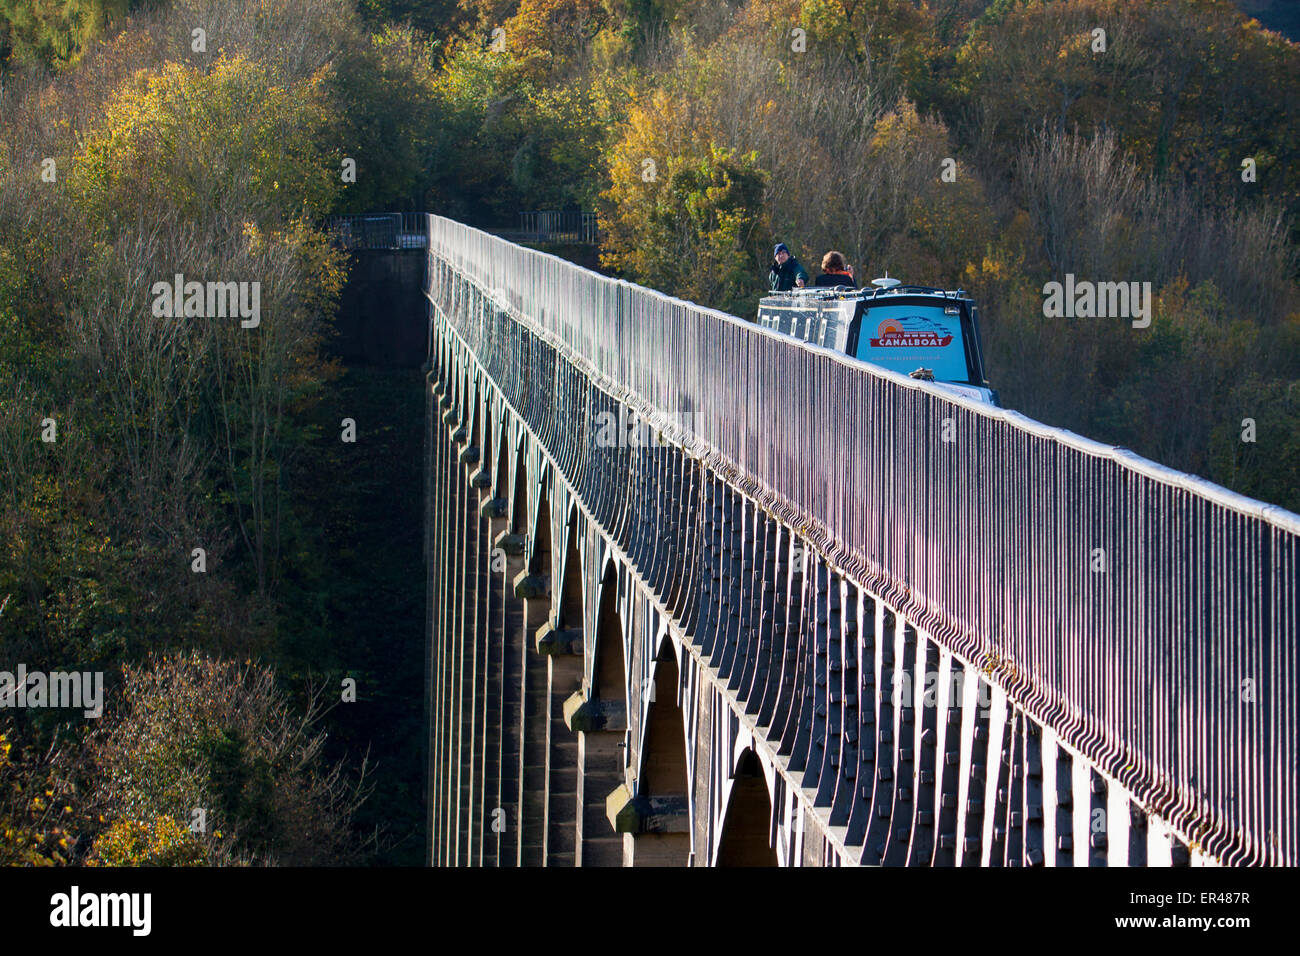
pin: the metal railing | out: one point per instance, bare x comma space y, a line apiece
554, 226
379, 231
1148, 617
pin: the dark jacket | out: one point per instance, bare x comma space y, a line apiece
782, 278
833, 279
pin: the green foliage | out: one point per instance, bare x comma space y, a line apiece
686, 218
186, 141
506, 145
170, 434
1147, 400
1264, 462
199, 733
428, 16
54, 31
386, 117
1189, 87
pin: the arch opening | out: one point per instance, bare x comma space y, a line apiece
747, 826
476, 426
571, 598
502, 462
664, 781
540, 560
519, 505
538, 760
609, 680
601, 746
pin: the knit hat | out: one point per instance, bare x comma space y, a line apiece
780, 247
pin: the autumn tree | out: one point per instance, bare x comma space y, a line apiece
54, 32
550, 38
196, 733
158, 842
683, 213
38, 823
1190, 87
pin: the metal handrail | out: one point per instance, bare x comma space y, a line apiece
378, 231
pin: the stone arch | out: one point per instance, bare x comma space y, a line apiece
464, 380
746, 836
600, 717
505, 702
498, 737
476, 439
561, 641
533, 587
539, 560
502, 464
519, 500
609, 670
522, 785
663, 787
570, 607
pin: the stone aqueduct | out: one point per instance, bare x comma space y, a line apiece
637, 657
615, 682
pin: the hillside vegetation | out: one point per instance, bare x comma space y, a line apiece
996, 146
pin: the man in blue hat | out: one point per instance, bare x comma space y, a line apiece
786, 272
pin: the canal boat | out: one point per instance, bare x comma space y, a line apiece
919, 331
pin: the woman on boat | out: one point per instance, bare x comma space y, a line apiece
835, 272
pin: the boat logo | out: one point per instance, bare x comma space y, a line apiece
912, 331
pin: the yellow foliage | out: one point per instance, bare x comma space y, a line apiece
28, 836
131, 843
231, 137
